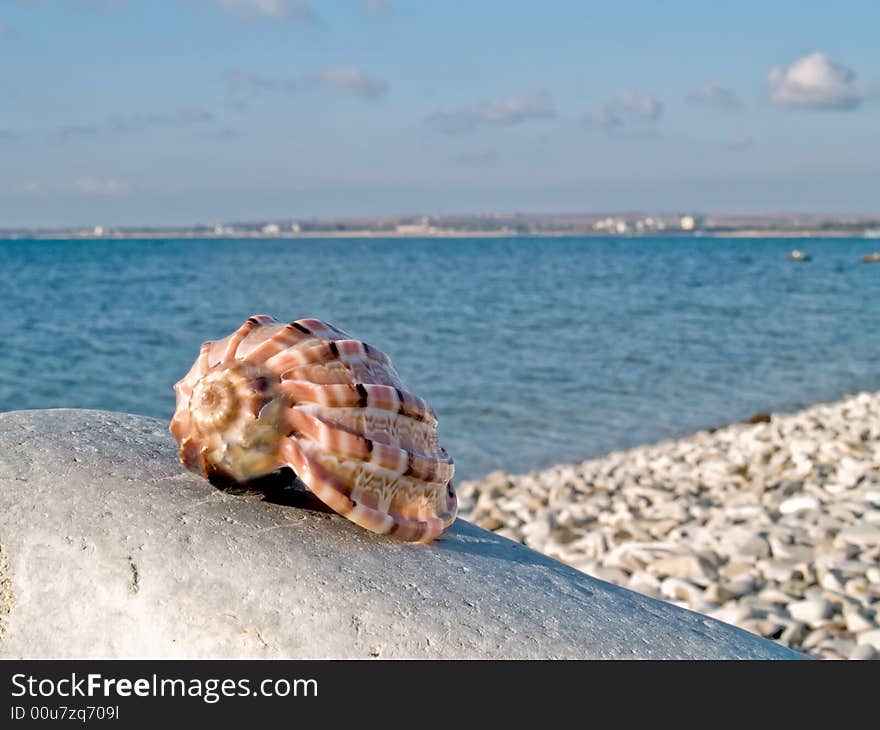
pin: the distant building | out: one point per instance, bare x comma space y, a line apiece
98, 231
422, 228
271, 229
689, 222
294, 228
612, 225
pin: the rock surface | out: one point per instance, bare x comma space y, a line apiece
111, 549
773, 526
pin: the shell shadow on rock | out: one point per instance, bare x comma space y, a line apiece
274, 398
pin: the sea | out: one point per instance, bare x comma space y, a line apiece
532, 351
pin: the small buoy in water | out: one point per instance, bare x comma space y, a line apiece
871, 258
796, 255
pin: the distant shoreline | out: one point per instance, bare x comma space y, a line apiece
168, 235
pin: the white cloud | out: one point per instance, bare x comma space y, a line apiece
278, 9
101, 186
815, 81
628, 105
512, 110
351, 80
641, 105
715, 96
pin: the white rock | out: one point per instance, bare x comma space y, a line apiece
831, 581
856, 587
778, 570
680, 590
803, 503
644, 582
733, 613
717, 593
861, 535
814, 638
692, 567
746, 545
863, 652
812, 611
856, 622
870, 638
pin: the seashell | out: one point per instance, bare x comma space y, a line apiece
307, 396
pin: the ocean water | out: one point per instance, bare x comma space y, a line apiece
532, 351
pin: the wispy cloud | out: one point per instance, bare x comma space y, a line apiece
715, 96
815, 81
247, 82
628, 106
101, 186
299, 10
134, 123
183, 116
508, 111
67, 132
351, 80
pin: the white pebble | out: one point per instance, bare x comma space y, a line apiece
792, 505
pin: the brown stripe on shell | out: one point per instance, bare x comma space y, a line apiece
327, 351
287, 336
320, 329
363, 395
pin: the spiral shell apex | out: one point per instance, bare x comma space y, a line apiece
307, 396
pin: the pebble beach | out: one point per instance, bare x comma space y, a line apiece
771, 525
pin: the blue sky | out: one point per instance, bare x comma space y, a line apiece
160, 112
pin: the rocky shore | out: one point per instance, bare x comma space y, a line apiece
772, 525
